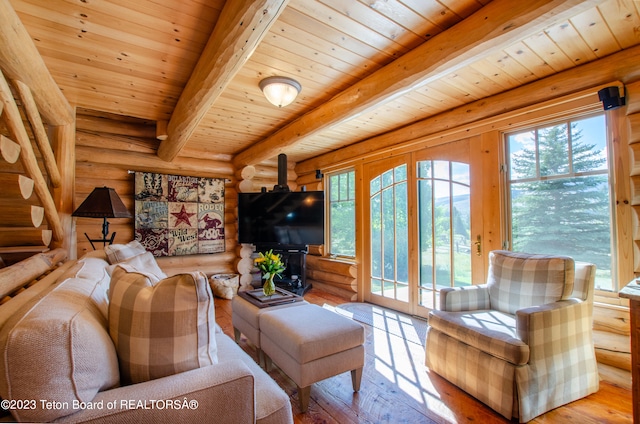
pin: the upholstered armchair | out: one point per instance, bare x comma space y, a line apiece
521, 343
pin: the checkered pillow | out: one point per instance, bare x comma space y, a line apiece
161, 328
520, 280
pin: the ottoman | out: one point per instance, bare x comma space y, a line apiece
245, 318
309, 344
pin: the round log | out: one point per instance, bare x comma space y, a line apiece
634, 128
246, 281
245, 266
308, 179
332, 265
37, 214
344, 282
15, 186
46, 237
316, 249
26, 186
247, 173
246, 250
633, 97
10, 150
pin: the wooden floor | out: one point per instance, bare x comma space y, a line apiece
397, 387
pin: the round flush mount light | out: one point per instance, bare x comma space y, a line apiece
280, 91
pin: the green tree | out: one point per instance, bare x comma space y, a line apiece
558, 212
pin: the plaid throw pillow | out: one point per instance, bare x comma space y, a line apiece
520, 280
161, 328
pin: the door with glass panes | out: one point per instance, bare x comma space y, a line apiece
418, 225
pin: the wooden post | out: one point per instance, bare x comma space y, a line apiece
632, 292
64, 141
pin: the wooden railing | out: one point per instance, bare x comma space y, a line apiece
21, 211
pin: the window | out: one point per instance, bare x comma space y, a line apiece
444, 212
388, 203
559, 190
342, 214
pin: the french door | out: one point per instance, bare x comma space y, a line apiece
418, 227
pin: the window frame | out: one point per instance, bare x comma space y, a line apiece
329, 244
614, 156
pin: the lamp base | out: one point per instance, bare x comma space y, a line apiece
105, 241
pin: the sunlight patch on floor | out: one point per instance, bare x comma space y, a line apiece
402, 364
400, 361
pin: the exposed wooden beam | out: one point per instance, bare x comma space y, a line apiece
241, 27
20, 60
616, 67
39, 132
149, 163
495, 26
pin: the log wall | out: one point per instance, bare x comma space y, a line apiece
108, 150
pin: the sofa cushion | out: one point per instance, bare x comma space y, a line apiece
121, 252
161, 328
57, 348
489, 331
519, 280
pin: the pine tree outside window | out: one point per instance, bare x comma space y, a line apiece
559, 190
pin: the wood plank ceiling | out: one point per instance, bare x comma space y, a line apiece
134, 58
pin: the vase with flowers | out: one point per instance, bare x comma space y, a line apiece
271, 265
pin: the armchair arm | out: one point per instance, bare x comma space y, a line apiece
223, 392
562, 363
469, 298
538, 326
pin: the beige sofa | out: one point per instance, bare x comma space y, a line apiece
59, 364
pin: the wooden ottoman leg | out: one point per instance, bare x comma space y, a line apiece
303, 395
236, 334
356, 378
261, 360
268, 364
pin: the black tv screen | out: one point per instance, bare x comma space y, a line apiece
281, 218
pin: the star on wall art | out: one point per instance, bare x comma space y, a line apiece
183, 216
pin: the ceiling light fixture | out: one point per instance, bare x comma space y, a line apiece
280, 91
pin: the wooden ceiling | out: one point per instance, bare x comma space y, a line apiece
366, 67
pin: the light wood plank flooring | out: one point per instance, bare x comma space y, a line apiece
398, 388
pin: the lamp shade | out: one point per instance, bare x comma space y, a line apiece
103, 202
280, 91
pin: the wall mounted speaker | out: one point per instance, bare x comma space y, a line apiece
610, 98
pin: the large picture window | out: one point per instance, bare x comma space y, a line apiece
342, 214
559, 191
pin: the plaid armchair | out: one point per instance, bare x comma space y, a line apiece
521, 343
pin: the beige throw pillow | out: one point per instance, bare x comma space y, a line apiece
121, 252
161, 328
145, 263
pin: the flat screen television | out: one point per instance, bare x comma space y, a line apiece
281, 218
